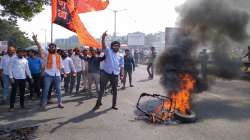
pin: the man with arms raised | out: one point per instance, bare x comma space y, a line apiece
53, 66
113, 66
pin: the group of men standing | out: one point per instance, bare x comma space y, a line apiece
103, 67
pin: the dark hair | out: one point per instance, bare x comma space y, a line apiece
115, 43
76, 49
127, 50
20, 50
52, 44
33, 51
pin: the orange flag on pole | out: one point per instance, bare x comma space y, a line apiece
65, 13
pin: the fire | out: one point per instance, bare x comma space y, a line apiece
180, 100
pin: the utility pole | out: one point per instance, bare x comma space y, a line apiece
115, 14
45, 36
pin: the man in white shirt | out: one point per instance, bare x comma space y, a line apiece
18, 69
53, 67
85, 71
69, 72
4, 71
112, 68
78, 65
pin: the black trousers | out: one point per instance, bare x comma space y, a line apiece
69, 83
20, 83
129, 73
104, 79
150, 70
78, 80
36, 85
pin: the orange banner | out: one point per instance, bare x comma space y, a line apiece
83, 35
84, 6
65, 13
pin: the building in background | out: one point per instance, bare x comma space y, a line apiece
136, 40
67, 43
170, 32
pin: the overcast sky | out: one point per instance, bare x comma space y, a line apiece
148, 16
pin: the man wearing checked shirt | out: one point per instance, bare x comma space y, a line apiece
113, 67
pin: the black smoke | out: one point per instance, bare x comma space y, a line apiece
216, 22
212, 23
177, 60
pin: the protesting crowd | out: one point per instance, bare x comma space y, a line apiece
42, 71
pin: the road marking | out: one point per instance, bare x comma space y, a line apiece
215, 95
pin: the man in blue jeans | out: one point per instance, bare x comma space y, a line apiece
4, 71
53, 67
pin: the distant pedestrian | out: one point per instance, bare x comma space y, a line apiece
203, 57
150, 67
136, 57
129, 67
247, 65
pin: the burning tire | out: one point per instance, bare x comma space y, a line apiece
190, 118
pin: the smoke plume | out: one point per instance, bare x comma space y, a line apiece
211, 23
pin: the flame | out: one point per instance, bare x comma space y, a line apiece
180, 99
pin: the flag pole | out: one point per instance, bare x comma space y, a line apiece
51, 32
53, 3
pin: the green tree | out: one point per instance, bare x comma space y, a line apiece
11, 33
10, 11
25, 9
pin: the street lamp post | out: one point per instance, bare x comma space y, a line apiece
115, 14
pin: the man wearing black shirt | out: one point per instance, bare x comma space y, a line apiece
93, 69
129, 66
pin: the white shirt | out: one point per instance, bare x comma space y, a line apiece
84, 65
68, 65
102, 62
113, 62
54, 71
19, 68
77, 63
4, 64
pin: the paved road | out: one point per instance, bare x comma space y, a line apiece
224, 114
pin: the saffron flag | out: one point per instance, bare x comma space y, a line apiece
65, 14
61, 14
84, 6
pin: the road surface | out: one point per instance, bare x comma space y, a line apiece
223, 111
